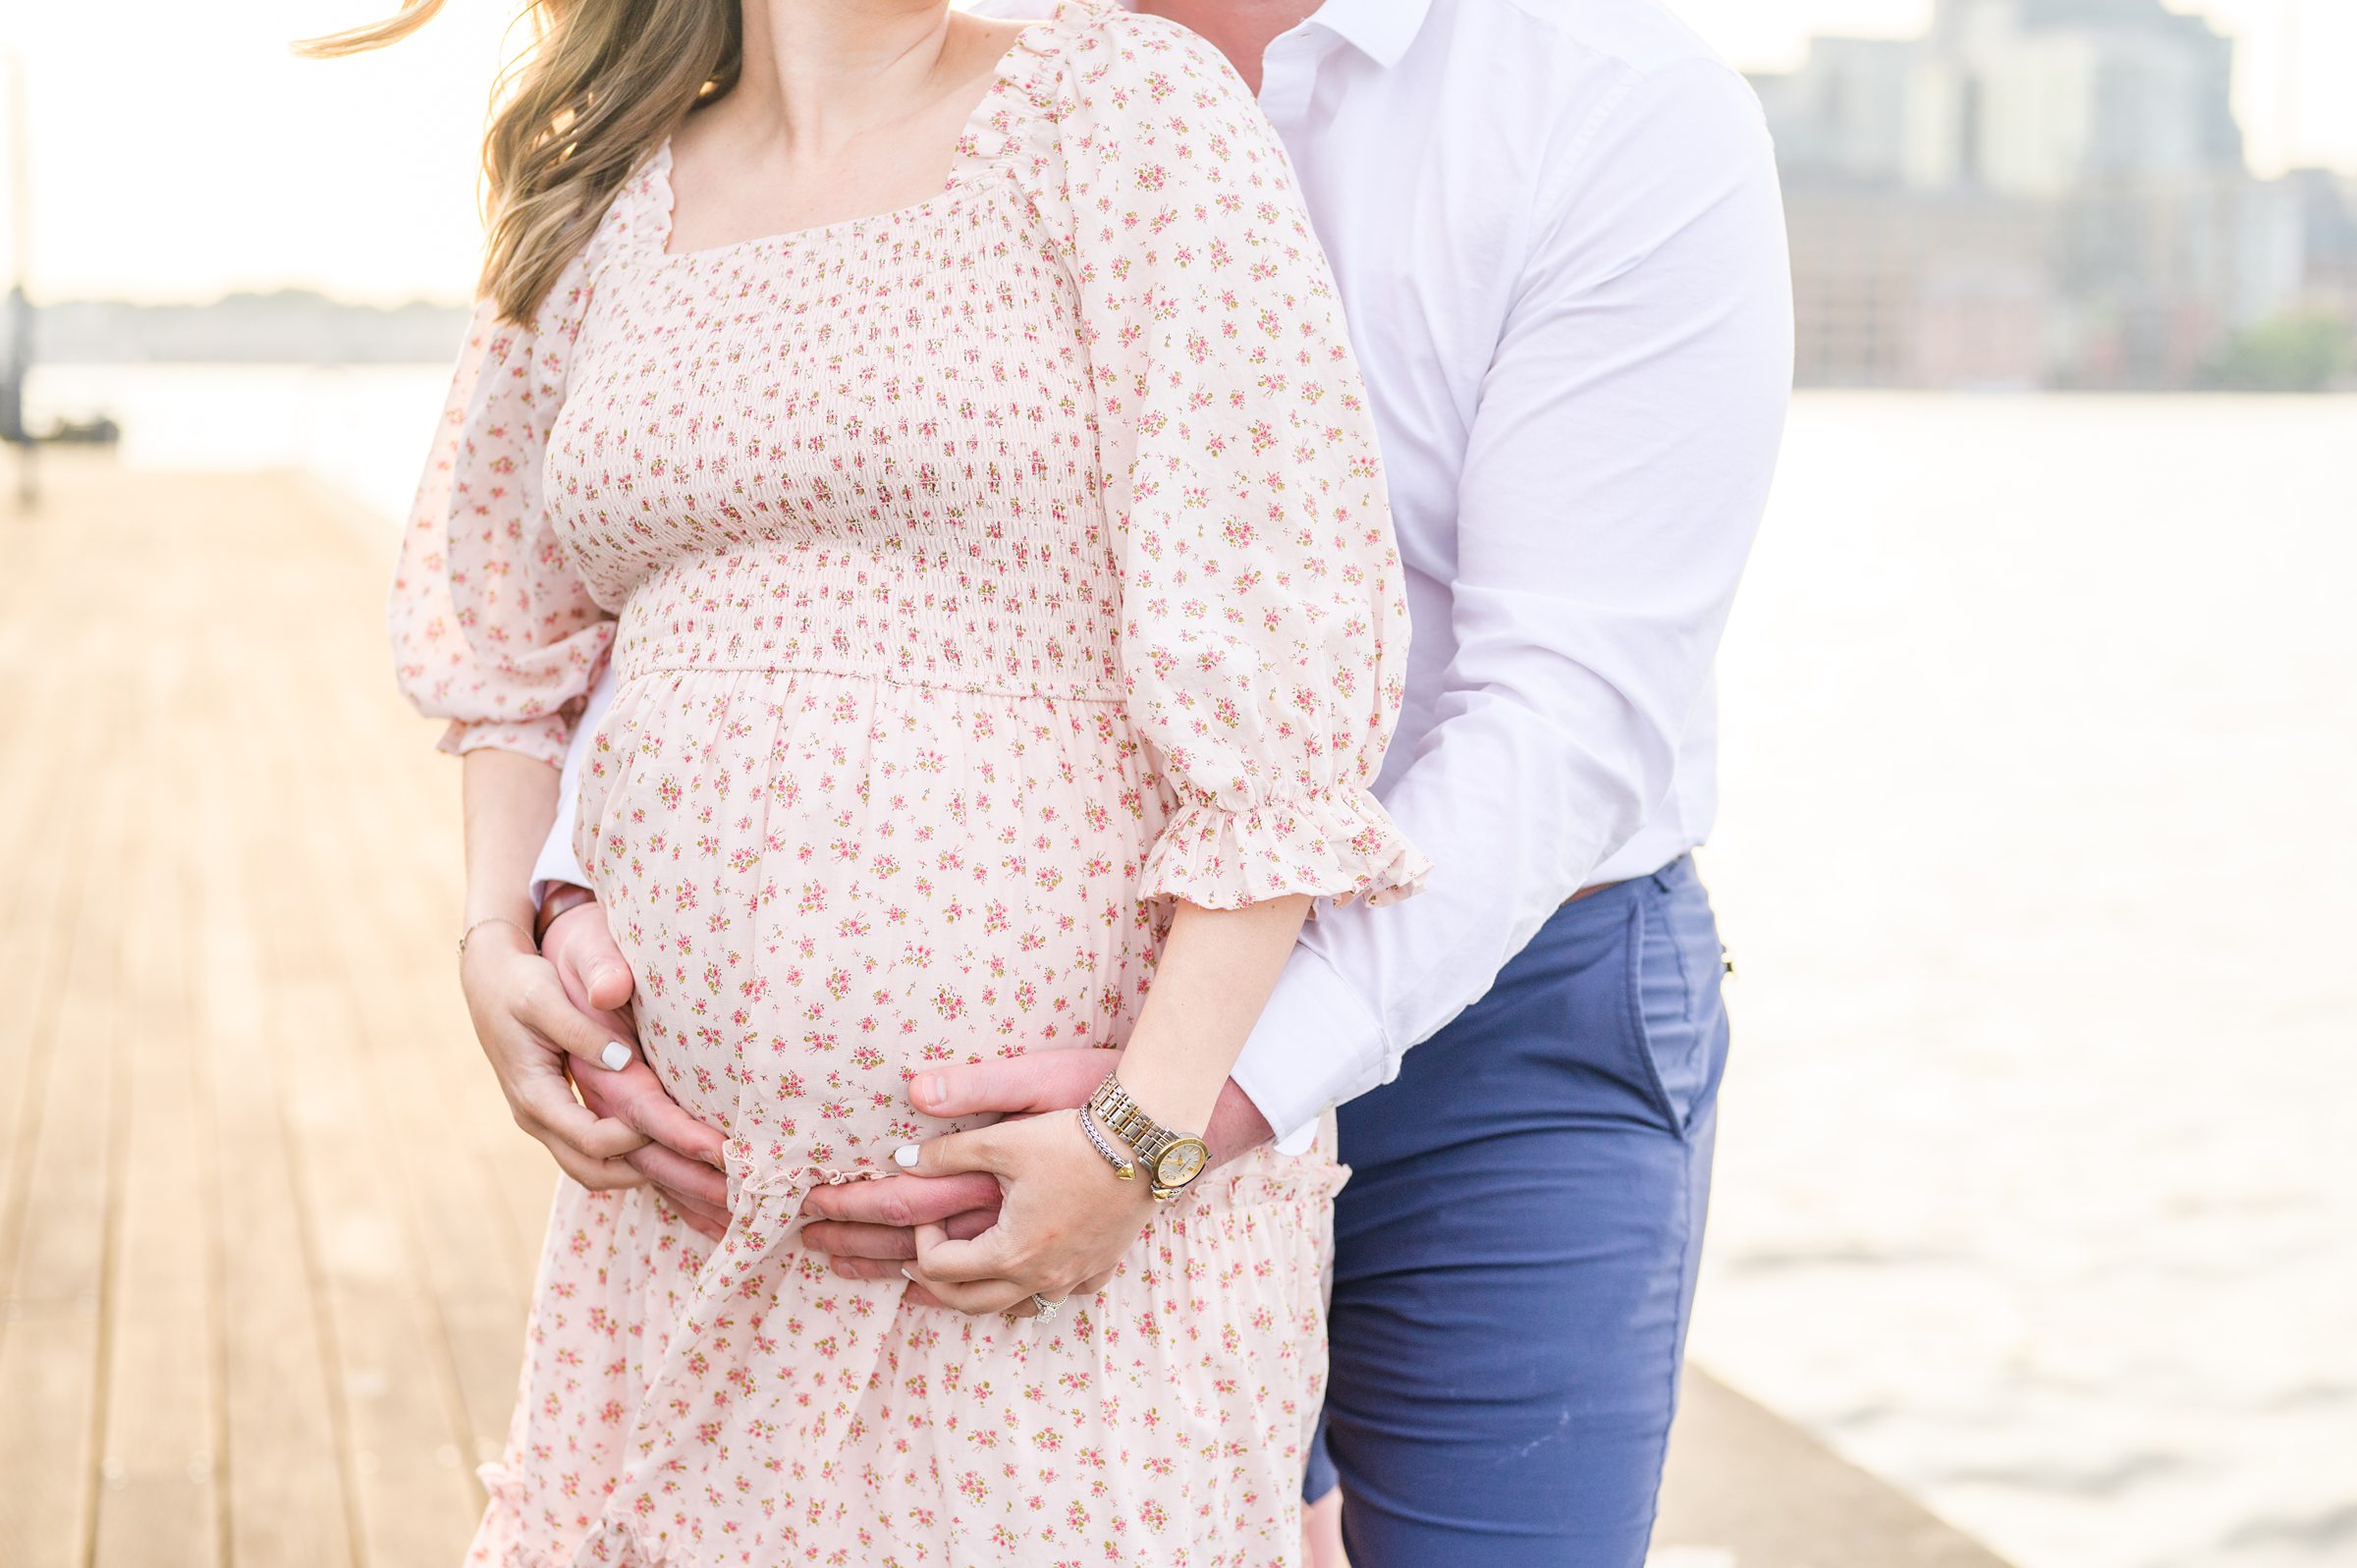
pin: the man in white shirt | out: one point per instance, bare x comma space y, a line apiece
1556, 233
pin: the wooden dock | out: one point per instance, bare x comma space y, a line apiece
266, 1231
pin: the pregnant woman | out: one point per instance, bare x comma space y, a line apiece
998, 576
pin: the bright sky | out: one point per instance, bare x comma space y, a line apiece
178, 149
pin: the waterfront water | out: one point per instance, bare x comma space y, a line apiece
362, 428
2034, 1192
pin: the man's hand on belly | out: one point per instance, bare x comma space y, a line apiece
682, 1161
869, 1228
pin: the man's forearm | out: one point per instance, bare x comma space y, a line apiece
1237, 1126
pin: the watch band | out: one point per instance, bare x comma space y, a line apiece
1128, 1121
1122, 1168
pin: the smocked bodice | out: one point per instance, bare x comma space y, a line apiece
863, 448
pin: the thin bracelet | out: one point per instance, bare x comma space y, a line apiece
495, 920
1121, 1168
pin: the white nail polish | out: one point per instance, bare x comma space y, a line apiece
616, 1055
905, 1156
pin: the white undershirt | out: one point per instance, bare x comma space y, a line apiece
1556, 231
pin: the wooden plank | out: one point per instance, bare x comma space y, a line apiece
415, 1501
42, 847
45, 831
158, 1506
48, 1372
49, 1353
48, 1302
286, 1498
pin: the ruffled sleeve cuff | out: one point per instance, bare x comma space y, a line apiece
1336, 843
542, 738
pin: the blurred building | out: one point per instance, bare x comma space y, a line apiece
2045, 193
2328, 204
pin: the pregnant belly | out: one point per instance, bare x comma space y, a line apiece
825, 884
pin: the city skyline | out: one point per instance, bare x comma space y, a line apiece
2052, 194
244, 168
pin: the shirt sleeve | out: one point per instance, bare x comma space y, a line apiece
492, 628
557, 863
1617, 465
1263, 625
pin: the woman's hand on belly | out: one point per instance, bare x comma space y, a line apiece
1064, 1221
528, 1027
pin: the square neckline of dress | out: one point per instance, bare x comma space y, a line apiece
1001, 74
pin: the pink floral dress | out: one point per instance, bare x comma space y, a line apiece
980, 577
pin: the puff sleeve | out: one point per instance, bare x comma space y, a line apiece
492, 628
1263, 628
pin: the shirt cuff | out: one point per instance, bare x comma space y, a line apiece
1316, 1043
557, 863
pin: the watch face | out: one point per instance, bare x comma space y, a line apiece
1181, 1162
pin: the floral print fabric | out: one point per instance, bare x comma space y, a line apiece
980, 577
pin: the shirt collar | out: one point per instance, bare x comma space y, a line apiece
1380, 30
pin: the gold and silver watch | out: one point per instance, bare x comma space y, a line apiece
1172, 1159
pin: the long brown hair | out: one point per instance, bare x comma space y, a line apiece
601, 83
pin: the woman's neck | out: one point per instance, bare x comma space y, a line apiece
824, 72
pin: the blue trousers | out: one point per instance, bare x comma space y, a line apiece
1515, 1254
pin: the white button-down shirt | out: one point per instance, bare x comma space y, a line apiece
1558, 236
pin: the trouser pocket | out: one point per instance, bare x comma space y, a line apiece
1676, 1021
